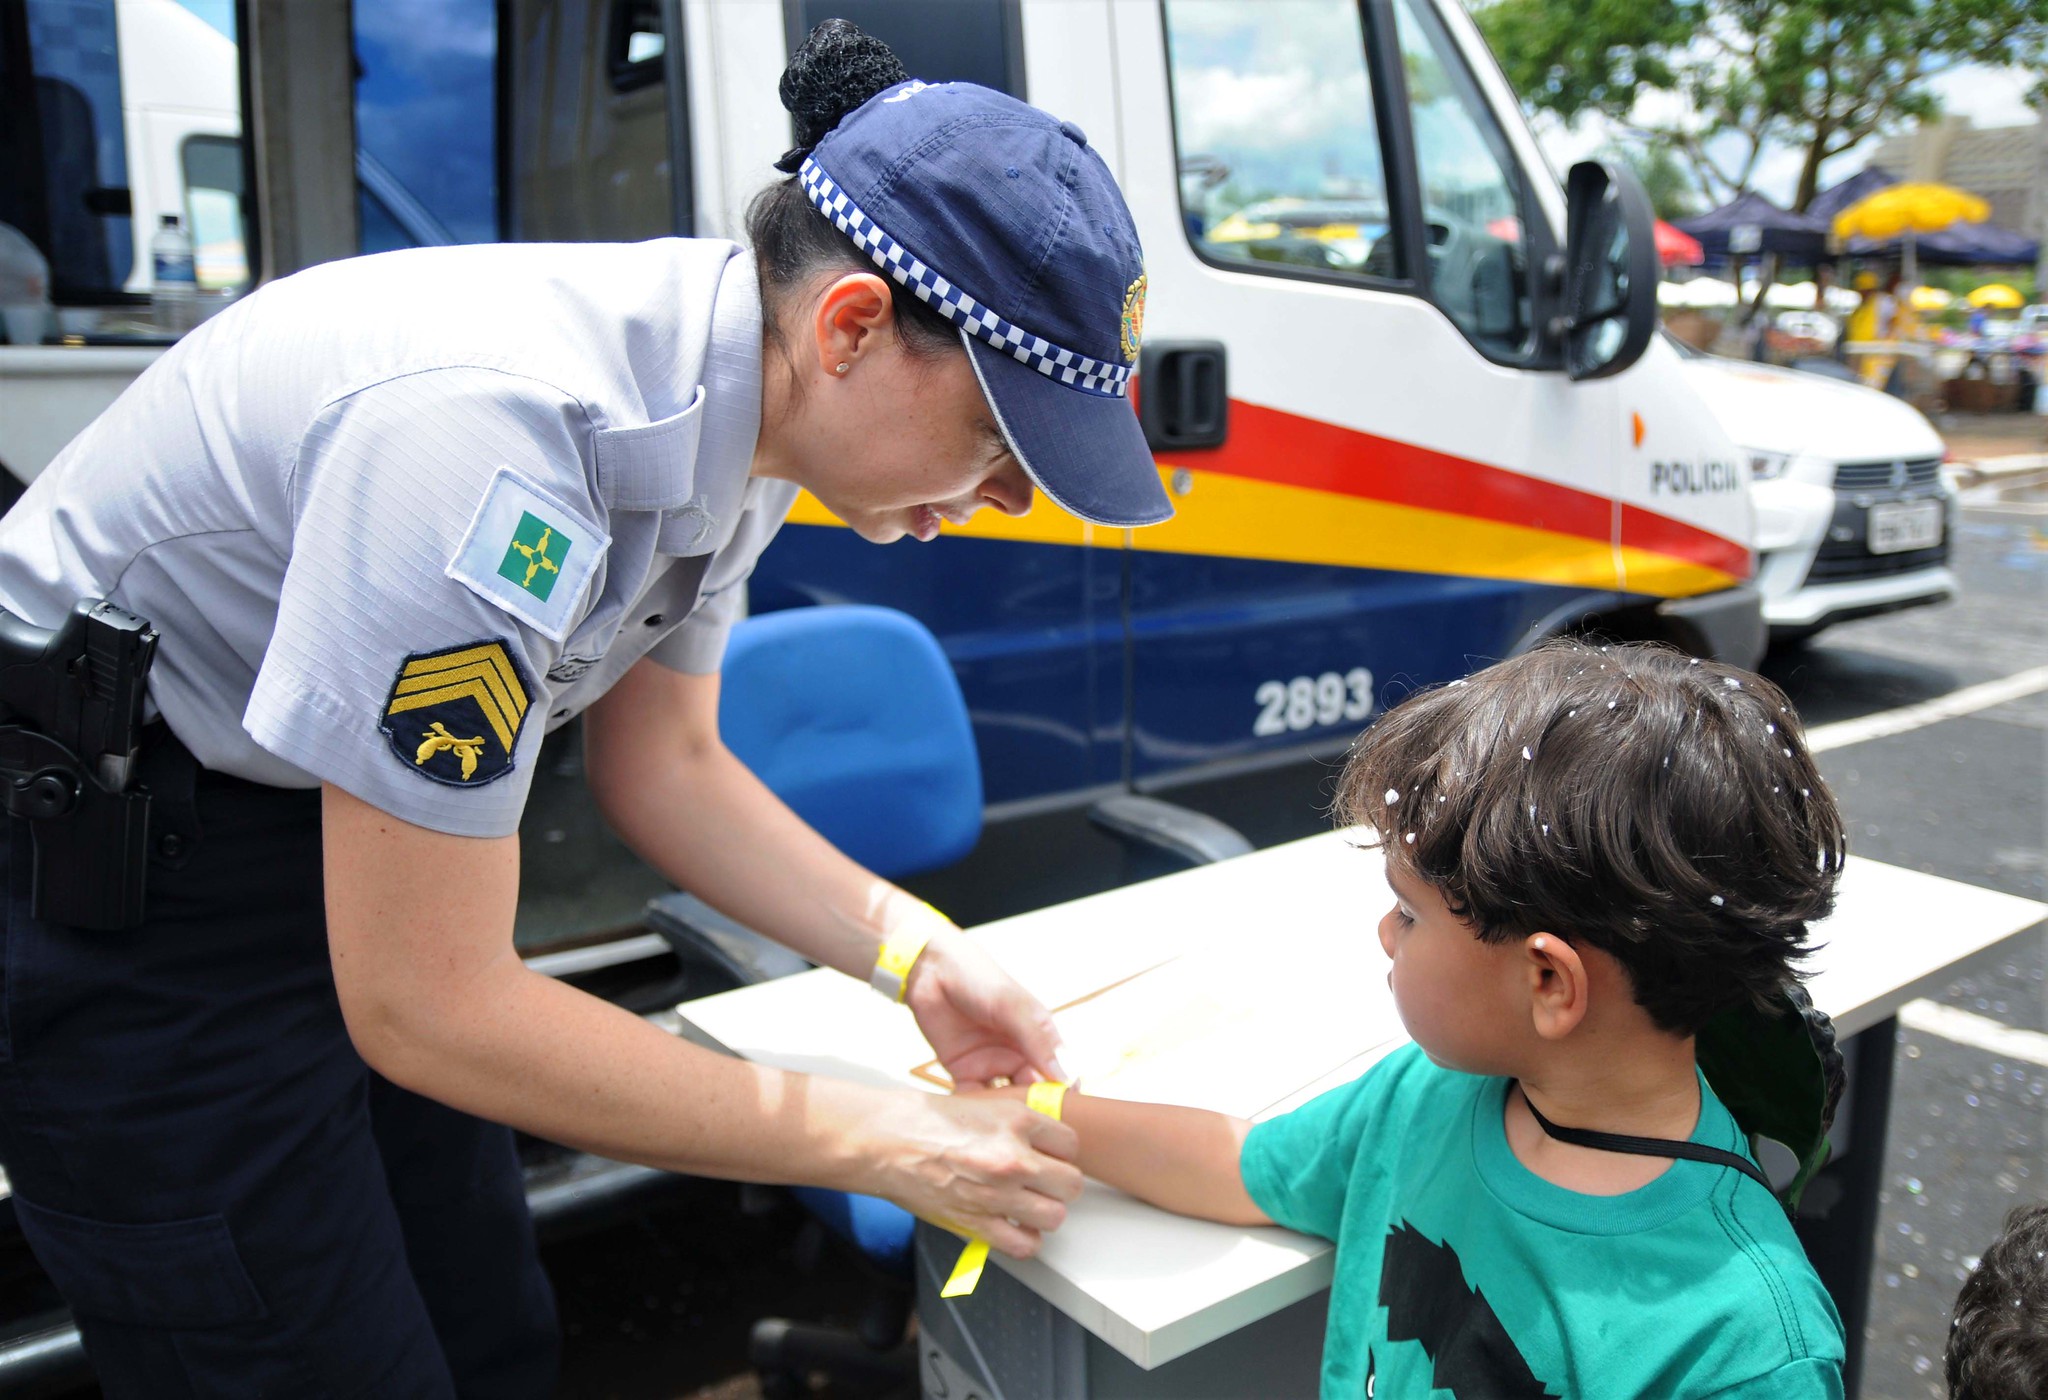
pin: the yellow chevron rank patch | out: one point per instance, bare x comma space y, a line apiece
454, 716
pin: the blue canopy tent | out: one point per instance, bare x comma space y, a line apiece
1965, 245
1835, 198
1750, 225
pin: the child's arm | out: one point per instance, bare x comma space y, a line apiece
1180, 1159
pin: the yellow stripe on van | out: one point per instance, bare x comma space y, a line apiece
1236, 517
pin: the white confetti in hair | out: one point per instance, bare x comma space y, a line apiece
1716, 900
1393, 796
1409, 838
1526, 755
1610, 704
1770, 729
1731, 682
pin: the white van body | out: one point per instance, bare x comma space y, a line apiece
1386, 464
1522, 477
1854, 511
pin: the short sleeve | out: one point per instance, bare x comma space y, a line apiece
387, 674
1811, 1378
1300, 1167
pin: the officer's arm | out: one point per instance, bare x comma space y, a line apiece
437, 1000
670, 787
694, 812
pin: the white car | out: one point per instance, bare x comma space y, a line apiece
1854, 510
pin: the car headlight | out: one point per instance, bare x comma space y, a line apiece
1765, 465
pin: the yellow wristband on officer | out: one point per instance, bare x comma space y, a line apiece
900, 952
1047, 1096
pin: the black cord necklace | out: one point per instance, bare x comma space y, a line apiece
1647, 1146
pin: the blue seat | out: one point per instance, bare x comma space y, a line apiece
853, 717
879, 1229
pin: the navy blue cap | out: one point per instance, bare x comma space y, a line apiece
1002, 220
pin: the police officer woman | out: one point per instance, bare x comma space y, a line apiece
398, 517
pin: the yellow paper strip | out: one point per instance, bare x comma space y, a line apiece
966, 1273
1047, 1097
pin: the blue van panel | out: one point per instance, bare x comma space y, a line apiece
1036, 635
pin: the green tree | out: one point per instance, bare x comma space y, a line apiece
1728, 79
1671, 189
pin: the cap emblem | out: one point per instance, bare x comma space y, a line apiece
1134, 318
1069, 367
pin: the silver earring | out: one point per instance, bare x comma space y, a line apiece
844, 367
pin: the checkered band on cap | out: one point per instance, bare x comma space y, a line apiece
1070, 368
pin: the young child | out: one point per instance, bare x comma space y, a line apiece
1998, 1342
1592, 852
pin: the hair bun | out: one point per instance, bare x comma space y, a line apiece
835, 70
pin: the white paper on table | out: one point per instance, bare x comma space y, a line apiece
1221, 1027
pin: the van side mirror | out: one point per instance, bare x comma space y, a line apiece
1610, 277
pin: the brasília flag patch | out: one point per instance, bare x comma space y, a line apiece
528, 554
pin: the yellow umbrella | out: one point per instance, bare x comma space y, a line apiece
1912, 208
1906, 211
1997, 294
1930, 299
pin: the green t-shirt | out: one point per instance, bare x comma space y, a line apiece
1462, 1273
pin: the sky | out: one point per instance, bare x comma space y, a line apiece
218, 13
1987, 96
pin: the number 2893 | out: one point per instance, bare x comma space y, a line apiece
1312, 702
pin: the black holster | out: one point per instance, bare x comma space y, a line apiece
70, 732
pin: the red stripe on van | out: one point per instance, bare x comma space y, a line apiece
1269, 444
1660, 534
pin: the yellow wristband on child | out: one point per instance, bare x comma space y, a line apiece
1047, 1096
900, 952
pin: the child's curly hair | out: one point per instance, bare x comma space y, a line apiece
1998, 1340
1662, 809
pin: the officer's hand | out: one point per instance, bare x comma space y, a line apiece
981, 1166
981, 1023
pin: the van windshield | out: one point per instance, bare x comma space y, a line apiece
1278, 149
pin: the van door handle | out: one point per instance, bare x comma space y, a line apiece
1184, 394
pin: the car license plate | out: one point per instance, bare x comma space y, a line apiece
1897, 526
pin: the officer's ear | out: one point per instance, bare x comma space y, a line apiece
854, 315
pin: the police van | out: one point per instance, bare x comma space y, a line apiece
1353, 377
1399, 379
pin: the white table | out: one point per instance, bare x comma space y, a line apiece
1154, 1287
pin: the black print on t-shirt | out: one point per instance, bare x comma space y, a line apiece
1422, 1287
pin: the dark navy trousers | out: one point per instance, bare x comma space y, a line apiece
230, 1200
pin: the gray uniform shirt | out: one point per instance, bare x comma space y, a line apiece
398, 516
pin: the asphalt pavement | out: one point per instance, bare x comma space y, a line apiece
1962, 798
